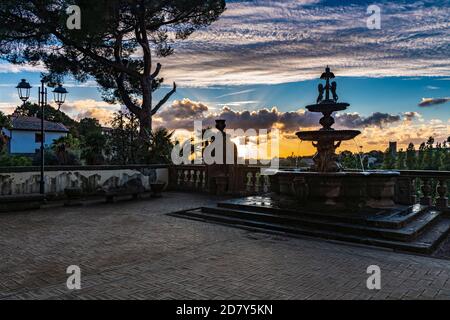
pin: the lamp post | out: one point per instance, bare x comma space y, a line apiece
59, 93
23, 89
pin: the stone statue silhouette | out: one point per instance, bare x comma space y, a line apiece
321, 91
326, 159
333, 91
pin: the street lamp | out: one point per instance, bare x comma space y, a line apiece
23, 89
59, 93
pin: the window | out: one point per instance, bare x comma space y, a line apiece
38, 137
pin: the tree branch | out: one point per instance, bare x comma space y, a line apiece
125, 96
164, 100
157, 70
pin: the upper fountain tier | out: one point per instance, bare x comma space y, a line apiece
324, 139
327, 105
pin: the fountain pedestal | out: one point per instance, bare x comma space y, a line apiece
375, 189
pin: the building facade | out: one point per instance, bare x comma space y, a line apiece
24, 137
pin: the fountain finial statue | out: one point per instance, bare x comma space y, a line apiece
333, 91
321, 91
327, 75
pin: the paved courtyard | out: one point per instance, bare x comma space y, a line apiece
133, 250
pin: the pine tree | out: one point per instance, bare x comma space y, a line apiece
401, 160
446, 162
437, 157
411, 157
389, 160
428, 159
420, 159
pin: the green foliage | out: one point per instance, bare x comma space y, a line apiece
161, 146
411, 157
401, 160
445, 161
389, 160
67, 150
5, 122
293, 161
126, 147
50, 114
430, 156
92, 141
7, 160
123, 140
349, 160
50, 158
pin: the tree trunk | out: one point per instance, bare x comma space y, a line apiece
145, 116
145, 126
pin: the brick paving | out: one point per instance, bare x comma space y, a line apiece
133, 250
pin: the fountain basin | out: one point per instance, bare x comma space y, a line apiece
371, 189
327, 108
334, 135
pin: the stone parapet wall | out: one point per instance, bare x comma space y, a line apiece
22, 181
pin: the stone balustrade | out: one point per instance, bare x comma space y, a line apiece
252, 181
248, 179
425, 187
188, 178
430, 188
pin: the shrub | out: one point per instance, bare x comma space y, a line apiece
7, 160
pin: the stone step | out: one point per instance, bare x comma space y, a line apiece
425, 243
24, 202
386, 218
408, 233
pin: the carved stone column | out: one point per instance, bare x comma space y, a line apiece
426, 192
442, 200
405, 191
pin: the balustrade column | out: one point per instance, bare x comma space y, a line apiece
257, 182
249, 183
442, 200
405, 191
204, 180
426, 189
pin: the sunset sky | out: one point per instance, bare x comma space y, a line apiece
258, 67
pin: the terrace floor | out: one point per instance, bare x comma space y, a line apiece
133, 250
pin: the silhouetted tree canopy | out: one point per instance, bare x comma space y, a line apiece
115, 45
50, 114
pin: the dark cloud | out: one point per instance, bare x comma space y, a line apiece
182, 114
427, 102
354, 120
182, 109
411, 115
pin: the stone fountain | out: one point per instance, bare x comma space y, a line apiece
332, 203
327, 182
327, 139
